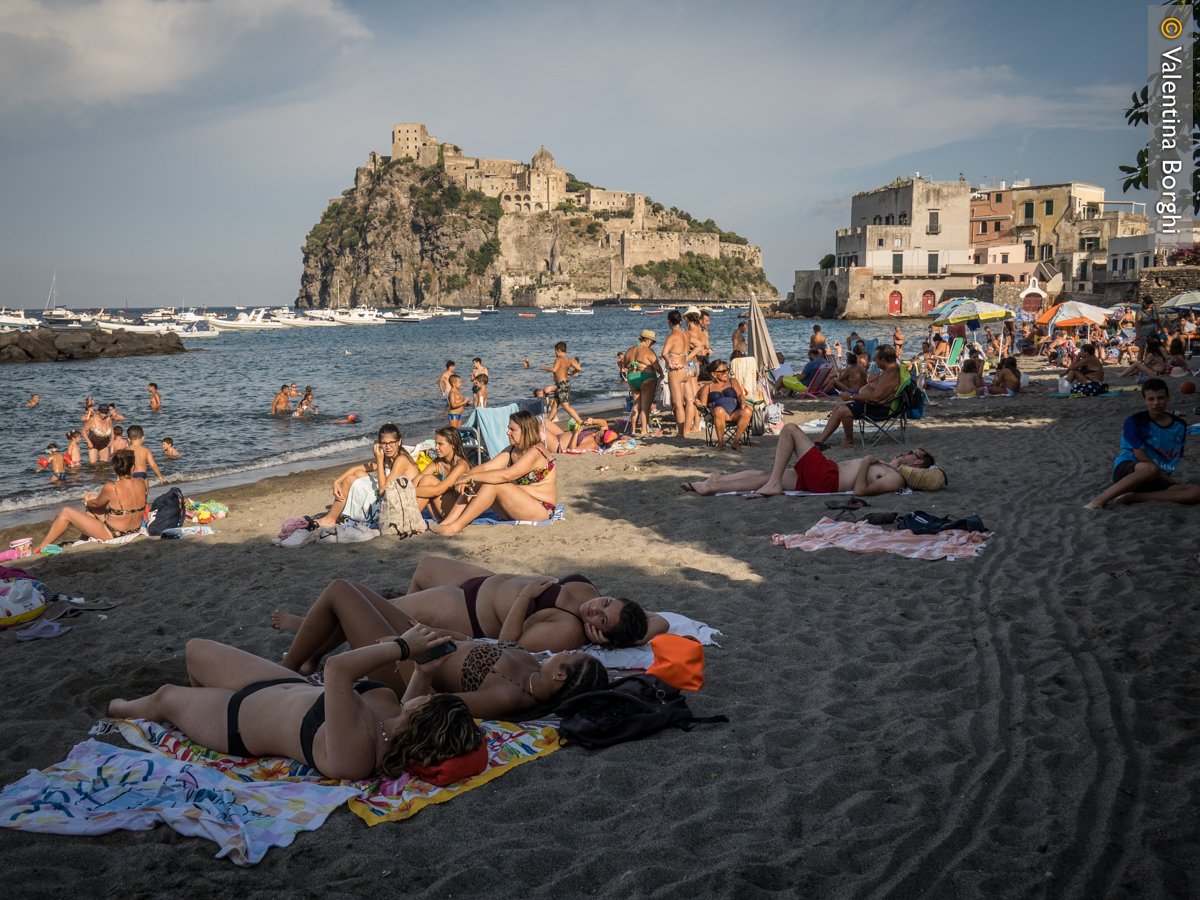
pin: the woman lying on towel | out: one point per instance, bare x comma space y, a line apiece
536, 612
518, 482
592, 434
114, 512
494, 680
359, 488
243, 705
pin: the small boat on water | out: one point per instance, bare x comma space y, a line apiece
581, 311
16, 318
489, 310
254, 321
359, 315
653, 312
116, 323
410, 314
193, 331
439, 312
526, 315
470, 318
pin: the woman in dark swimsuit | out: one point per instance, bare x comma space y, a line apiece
243, 705
1086, 374
724, 397
537, 612
1153, 362
98, 432
518, 483
115, 512
494, 680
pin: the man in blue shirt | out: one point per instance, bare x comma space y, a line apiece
1151, 445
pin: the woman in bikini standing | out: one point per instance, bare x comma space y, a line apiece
675, 353
643, 371
518, 483
494, 680
373, 728
697, 352
115, 512
435, 486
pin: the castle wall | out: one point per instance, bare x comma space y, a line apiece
753, 255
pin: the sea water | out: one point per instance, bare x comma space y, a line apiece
217, 397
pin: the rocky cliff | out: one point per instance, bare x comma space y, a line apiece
406, 235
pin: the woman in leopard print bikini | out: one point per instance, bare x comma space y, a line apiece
494, 680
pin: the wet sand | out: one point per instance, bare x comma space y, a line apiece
1020, 724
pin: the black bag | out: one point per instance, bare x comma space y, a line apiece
166, 512
926, 523
633, 707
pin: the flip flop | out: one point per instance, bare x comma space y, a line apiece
821, 445
852, 503
42, 630
687, 486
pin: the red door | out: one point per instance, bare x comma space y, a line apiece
895, 303
928, 300
1032, 304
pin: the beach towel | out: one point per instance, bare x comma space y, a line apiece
373, 801
492, 424
123, 539
101, 788
862, 537
491, 517
643, 657
903, 490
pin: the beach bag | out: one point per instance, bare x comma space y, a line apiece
926, 523
678, 660
20, 601
774, 414
631, 708
166, 512
399, 514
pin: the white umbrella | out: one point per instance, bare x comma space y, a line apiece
758, 339
1186, 300
1073, 309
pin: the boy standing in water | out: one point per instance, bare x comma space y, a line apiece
142, 457
155, 400
282, 402
56, 463
479, 389
169, 450
455, 402
444, 378
564, 367
118, 441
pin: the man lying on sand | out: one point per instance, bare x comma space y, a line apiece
1151, 446
866, 477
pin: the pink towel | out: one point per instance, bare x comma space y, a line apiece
291, 525
862, 537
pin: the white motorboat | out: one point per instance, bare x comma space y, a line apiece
489, 310
193, 331
254, 321
470, 318
190, 317
580, 311
410, 316
162, 314
359, 315
439, 312
16, 318
114, 323
289, 318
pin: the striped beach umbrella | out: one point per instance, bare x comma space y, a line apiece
974, 309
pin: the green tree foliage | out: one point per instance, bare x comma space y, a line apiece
567, 206
1137, 176
574, 184
827, 261
700, 274
708, 226
479, 260
452, 195
455, 282
340, 226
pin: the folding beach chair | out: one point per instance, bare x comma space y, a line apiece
710, 428
485, 431
951, 367
888, 418
816, 384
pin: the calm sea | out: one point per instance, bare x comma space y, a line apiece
217, 399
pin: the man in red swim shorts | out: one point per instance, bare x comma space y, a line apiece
865, 476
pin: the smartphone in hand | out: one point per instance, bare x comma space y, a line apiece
434, 652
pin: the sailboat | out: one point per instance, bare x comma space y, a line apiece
57, 316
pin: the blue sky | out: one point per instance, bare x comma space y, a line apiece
156, 151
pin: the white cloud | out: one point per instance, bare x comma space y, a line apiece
116, 51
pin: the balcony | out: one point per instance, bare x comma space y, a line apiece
933, 229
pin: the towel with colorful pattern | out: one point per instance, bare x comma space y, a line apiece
386, 800
101, 788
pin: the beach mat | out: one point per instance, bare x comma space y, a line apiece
492, 518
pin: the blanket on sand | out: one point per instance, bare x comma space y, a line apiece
246, 805
491, 517
643, 657
862, 537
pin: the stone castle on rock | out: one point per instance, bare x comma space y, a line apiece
430, 224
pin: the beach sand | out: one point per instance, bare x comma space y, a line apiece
1019, 724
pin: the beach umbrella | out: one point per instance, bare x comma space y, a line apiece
948, 304
1074, 312
758, 339
1046, 315
1186, 300
974, 309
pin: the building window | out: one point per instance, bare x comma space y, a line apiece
999, 198
897, 263
878, 220
1114, 264
983, 227
934, 226
903, 218
889, 219
897, 242
933, 264
880, 242
1047, 251
1029, 212
1049, 207
1004, 258
1089, 243
1083, 270
1029, 251
995, 226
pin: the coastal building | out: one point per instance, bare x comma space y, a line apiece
991, 216
907, 249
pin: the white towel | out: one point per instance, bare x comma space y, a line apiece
643, 657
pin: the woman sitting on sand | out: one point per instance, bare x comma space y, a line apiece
1177, 359
356, 493
1007, 380
970, 382
1086, 374
518, 483
494, 680
592, 434
243, 705
1153, 362
726, 398
537, 612
435, 485
115, 512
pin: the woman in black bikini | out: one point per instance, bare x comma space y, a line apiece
1086, 374
519, 482
435, 486
115, 512
494, 680
537, 612
243, 705
725, 398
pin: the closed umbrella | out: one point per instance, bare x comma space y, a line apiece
758, 339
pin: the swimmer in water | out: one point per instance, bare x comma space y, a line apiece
34, 400
55, 462
349, 420
282, 402
155, 400
169, 450
72, 454
118, 441
142, 457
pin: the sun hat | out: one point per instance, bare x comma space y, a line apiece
692, 311
648, 334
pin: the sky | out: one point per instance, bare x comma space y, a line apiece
160, 152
